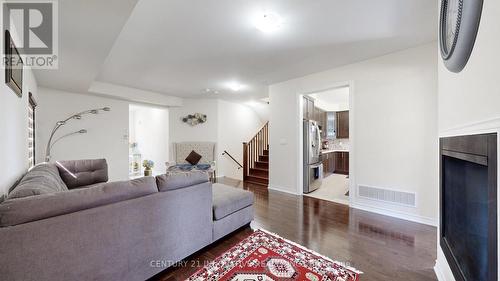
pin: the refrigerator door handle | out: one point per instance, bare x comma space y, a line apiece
314, 166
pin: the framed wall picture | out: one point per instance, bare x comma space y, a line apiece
14, 66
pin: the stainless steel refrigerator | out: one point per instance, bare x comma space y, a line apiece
313, 167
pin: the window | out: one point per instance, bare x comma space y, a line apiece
31, 130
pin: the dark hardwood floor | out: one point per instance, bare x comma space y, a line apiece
384, 248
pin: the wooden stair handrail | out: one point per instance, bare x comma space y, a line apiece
255, 148
232, 158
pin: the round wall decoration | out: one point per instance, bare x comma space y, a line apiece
195, 119
459, 23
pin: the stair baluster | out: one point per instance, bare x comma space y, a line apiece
256, 157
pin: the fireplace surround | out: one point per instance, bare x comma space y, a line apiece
468, 206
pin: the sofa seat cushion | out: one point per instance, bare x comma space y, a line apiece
228, 200
42, 179
33, 208
79, 173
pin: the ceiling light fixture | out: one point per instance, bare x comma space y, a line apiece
235, 86
210, 91
268, 22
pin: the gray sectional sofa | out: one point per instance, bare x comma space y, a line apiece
64, 221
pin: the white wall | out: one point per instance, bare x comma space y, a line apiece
228, 124
14, 126
148, 126
469, 102
393, 134
107, 135
473, 95
332, 100
182, 132
238, 123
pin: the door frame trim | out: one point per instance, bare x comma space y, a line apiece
352, 151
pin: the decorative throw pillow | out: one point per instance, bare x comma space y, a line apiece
193, 158
203, 167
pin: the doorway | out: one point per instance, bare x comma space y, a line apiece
331, 110
148, 138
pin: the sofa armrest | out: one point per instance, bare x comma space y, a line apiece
169, 164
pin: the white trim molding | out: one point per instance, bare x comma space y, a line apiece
281, 189
133, 95
473, 128
442, 270
487, 126
352, 149
394, 213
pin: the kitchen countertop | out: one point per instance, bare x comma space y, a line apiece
333, 150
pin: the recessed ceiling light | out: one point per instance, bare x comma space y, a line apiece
210, 91
235, 86
268, 22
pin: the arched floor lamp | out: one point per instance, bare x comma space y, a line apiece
59, 124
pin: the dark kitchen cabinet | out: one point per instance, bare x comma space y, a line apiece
319, 117
323, 121
342, 124
308, 108
341, 160
325, 163
328, 162
331, 163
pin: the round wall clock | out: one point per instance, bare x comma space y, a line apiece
459, 23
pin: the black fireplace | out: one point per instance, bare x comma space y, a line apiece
468, 206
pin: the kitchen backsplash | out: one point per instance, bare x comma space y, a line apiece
342, 144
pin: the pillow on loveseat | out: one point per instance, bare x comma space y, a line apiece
193, 158
28, 209
42, 179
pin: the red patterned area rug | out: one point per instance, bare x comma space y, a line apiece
264, 256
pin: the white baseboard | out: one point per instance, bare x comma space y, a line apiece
442, 269
281, 189
439, 272
394, 213
374, 209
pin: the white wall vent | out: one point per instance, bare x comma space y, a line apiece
387, 195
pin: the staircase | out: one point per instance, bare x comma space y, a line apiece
256, 158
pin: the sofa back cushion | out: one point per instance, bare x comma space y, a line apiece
42, 179
23, 210
80, 173
176, 180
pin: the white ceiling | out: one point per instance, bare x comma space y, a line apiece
332, 100
87, 32
181, 47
